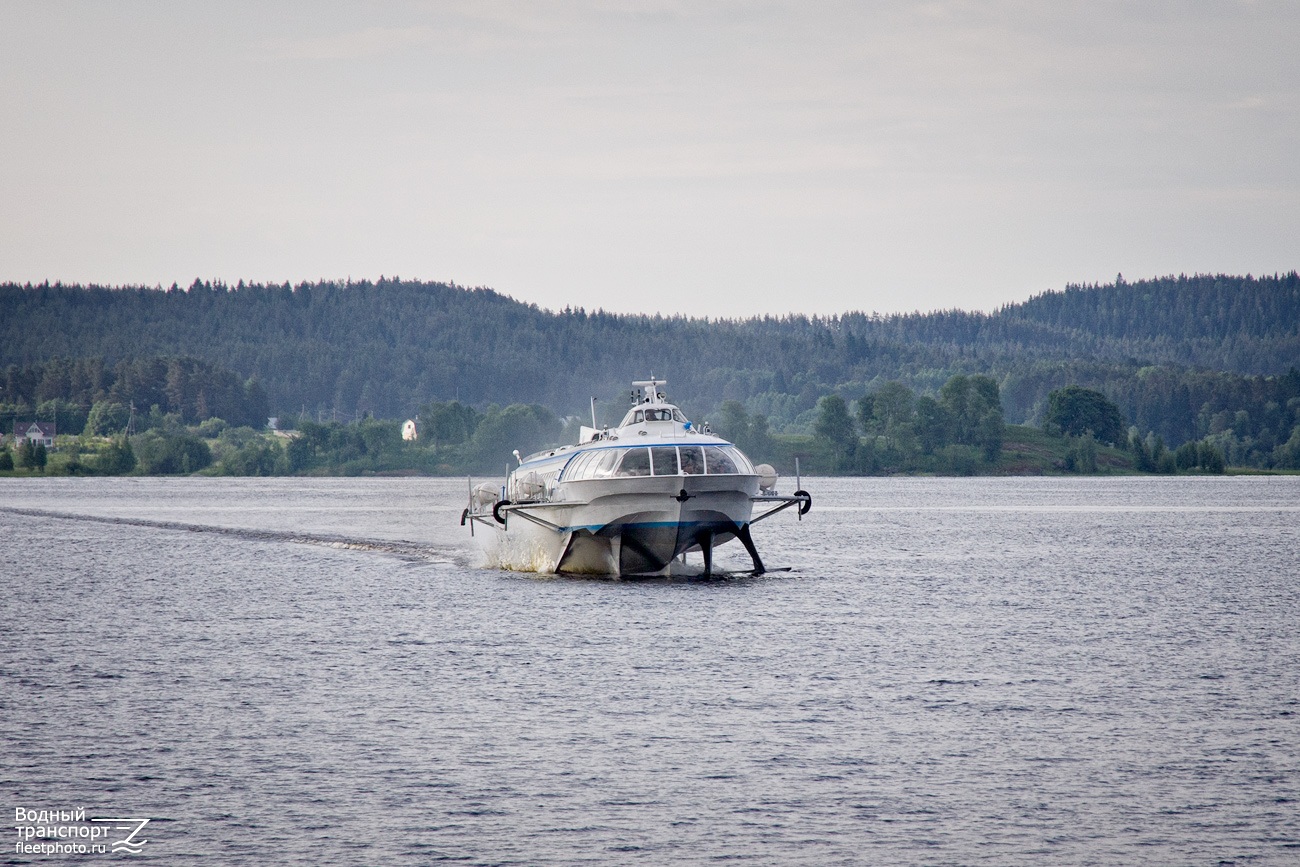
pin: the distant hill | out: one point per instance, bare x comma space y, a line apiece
1238, 324
392, 346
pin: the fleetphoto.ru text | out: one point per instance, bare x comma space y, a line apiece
70, 832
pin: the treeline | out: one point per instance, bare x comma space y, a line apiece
959, 431
1181, 356
890, 430
481, 442
1249, 416
963, 432
91, 395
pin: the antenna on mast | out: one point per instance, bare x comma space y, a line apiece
651, 386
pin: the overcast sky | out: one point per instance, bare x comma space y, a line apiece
695, 157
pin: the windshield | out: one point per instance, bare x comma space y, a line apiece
629, 461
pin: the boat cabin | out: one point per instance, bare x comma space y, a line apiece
652, 415
661, 419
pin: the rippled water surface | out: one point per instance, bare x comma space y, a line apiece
1047, 671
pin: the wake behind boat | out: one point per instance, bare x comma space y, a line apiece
634, 499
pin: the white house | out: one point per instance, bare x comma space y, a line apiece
408, 430
39, 432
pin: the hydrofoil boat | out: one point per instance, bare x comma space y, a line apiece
633, 499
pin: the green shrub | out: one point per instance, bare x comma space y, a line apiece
160, 453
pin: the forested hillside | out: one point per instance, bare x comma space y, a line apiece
72, 392
1181, 356
1244, 325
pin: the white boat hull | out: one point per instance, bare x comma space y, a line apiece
630, 526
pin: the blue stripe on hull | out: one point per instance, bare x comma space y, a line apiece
615, 526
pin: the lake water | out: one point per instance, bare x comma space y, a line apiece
955, 671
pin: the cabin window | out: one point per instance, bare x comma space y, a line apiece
605, 468
726, 460
581, 467
719, 463
665, 460
575, 468
692, 460
636, 462
592, 464
658, 415
677, 416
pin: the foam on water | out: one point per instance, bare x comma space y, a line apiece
515, 553
398, 547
